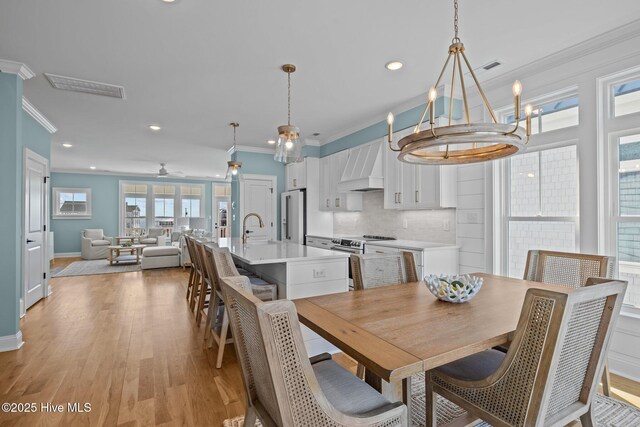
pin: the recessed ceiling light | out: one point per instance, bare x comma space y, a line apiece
271, 141
92, 167
67, 145
217, 175
168, 1
154, 128
394, 65
316, 134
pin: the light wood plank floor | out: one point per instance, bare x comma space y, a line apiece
128, 345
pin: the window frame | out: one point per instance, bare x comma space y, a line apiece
150, 197
56, 191
552, 139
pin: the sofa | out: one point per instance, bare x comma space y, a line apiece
160, 257
155, 237
94, 244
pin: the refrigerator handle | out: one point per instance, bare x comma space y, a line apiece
288, 217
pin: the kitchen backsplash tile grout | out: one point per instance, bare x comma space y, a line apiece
422, 225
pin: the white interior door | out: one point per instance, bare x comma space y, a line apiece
258, 196
35, 250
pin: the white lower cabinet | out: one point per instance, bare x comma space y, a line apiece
434, 260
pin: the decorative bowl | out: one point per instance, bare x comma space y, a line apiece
456, 288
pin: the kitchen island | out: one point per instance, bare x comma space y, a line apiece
299, 271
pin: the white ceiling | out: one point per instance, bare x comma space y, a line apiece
196, 65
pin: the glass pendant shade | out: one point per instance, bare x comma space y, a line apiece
289, 145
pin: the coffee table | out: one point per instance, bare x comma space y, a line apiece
125, 254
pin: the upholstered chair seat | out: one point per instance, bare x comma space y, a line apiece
94, 244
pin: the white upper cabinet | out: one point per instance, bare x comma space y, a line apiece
408, 186
331, 169
296, 175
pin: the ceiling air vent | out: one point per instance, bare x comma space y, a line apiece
85, 86
491, 65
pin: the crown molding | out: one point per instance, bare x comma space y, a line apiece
38, 116
136, 175
18, 68
572, 53
251, 149
400, 108
584, 48
312, 142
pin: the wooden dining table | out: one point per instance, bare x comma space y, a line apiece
400, 330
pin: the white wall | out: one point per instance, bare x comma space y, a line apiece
423, 225
579, 67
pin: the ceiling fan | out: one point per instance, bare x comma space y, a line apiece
162, 173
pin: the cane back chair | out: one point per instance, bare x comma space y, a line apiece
374, 270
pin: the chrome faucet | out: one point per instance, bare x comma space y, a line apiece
244, 225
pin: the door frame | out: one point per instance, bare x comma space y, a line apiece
274, 199
46, 290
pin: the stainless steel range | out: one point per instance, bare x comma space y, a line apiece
355, 244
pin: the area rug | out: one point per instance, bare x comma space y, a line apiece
607, 412
97, 266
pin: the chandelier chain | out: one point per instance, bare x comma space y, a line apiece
455, 21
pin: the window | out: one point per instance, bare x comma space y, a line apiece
72, 203
135, 209
626, 215
626, 98
620, 162
542, 195
145, 205
191, 196
549, 116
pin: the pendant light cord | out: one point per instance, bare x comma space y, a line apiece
456, 39
289, 98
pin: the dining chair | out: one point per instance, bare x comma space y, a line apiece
283, 386
193, 273
219, 264
550, 373
374, 270
206, 281
572, 270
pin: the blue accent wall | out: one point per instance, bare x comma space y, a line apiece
255, 164
11, 159
35, 137
105, 190
402, 120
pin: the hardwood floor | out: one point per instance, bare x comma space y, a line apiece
127, 344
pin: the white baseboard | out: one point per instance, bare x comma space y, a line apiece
625, 366
11, 342
66, 255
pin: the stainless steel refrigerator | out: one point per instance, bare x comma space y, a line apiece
294, 216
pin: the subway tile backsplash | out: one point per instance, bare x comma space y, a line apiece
424, 225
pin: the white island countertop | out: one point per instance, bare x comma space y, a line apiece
271, 252
412, 244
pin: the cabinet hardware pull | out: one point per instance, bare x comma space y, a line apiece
396, 198
400, 197
379, 252
294, 183
416, 196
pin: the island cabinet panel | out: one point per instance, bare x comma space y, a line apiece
316, 272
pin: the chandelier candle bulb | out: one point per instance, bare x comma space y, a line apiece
528, 110
390, 127
517, 90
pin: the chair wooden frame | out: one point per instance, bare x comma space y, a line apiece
406, 264
280, 384
204, 285
536, 384
193, 273
591, 266
217, 262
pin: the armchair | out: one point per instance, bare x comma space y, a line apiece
154, 237
94, 244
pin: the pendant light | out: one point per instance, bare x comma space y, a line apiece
233, 166
289, 145
461, 143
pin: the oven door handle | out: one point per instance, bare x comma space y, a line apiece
343, 249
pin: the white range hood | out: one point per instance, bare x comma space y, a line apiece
363, 171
